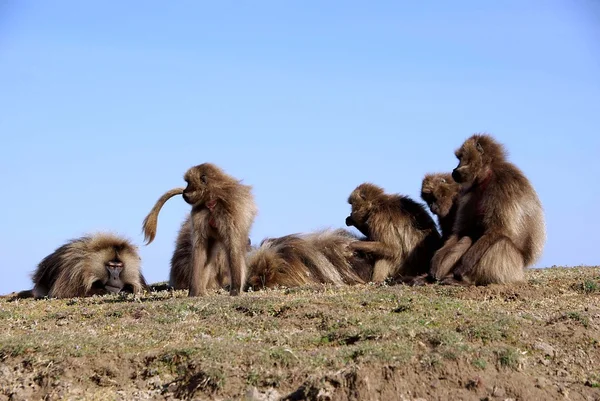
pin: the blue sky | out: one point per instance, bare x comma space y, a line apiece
105, 104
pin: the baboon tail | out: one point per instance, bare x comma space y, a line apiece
151, 221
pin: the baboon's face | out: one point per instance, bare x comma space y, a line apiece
263, 272
199, 180
438, 191
111, 273
361, 201
470, 162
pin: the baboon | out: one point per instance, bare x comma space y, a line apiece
95, 264
499, 228
349, 262
440, 192
323, 257
400, 235
223, 211
181, 262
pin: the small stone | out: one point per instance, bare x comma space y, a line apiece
546, 348
542, 382
498, 392
254, 394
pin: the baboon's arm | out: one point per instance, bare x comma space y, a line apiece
379, 249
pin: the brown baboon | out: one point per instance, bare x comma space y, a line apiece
95, 264
400, 235
181, 262
223, 211
323, 257
335, 246
499, 228
440, 192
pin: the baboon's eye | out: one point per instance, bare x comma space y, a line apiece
203, 178
362, 196
479, 147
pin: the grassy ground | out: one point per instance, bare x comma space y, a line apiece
539, 340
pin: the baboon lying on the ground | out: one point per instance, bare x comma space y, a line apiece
301, 259
499, 228
400, 235
223, 211
95, 264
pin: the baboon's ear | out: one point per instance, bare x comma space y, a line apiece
479, 147
443, 180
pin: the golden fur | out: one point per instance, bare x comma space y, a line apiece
323, 257
79, 268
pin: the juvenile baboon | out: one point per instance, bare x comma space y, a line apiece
223, 211
95, 264
323, 257
440, 192
400, 235
499, 228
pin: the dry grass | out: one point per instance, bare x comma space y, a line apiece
538, 340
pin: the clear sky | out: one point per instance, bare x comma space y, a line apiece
105, 104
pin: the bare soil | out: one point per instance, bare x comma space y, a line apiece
535, 341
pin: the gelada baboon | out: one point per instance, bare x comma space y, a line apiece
400, 235
499, 228
294, 260
181, 262
95, 264
223, 211
440, 192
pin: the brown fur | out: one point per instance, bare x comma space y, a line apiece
399, 232
79, 268
323, 257
440, 192
223, 211
181, 262
499, 228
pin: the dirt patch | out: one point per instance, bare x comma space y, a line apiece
536, 340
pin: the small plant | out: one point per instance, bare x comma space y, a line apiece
479, 363
282, 357
508, 358
578, 317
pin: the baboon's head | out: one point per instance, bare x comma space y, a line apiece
202, 180
362, 200
439, 191
263, 267
475, 157
114, 266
